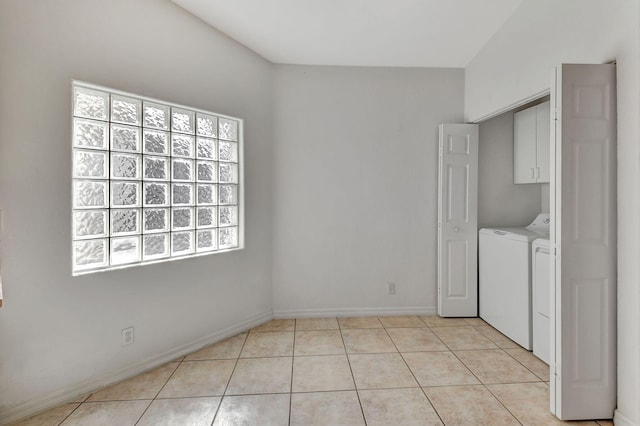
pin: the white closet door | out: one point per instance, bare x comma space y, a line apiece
457, 221
583, 382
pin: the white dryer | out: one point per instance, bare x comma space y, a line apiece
505, 278
541, 285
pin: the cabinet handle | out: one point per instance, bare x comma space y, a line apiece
533, 175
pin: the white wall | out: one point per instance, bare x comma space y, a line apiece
500, 201
59, 333
517, 63
355, 181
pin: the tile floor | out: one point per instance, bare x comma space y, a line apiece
400, 371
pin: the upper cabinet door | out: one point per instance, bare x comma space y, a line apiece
543, 128
524, 146
531, 128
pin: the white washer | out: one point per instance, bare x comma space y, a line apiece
541, 281
505, 278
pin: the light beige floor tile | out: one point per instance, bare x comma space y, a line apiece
376, 371
322, 373
318, 342
198, 378
253, 410
436, 321
326, 408
402, 321
261, 375
402, 407
495, 366
316, 324
496, 337
367, 341
183, 411
52, 417
121, 413
360, 322
416, 339
268, 344
276, 325
439, 369
468, 405
226, 349
605, 422
463, 338
475, 321
532, 362
143, 386
529, 402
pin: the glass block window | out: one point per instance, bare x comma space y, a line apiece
152, 181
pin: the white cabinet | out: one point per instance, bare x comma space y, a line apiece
531, 144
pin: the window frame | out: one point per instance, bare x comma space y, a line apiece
141, 207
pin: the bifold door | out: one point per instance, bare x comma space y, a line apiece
457, 221
583, 241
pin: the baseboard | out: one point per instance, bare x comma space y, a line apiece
37, 406
620, 420
353, 312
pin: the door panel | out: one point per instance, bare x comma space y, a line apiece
457, 221
583, 384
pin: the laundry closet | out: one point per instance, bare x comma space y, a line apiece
513, 218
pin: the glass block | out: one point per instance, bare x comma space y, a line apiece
182, 145
207, 125
182, 194
207, 217
207, 171
156, 220
228, 216
156, 116
207, 149
90, 194
90, 103
182, 218
228, 194
207, 240
90, 164
156, 142
228, 173
125, 250
90, 134
227, 129
125, 222
125, 194
89, 224
125, 138
228, 151
182, 170
125, 110
182, 242
227, 238
125, 166
156, 168
156, 194
206, 194
182, 121
89, 254
155, 246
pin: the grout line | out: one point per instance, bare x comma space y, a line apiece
355, 386
161, 387
73, 411
224, 393
293, 360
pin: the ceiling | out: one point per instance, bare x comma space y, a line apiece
398, 33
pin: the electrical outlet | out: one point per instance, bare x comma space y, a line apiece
127, 336
391, 288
